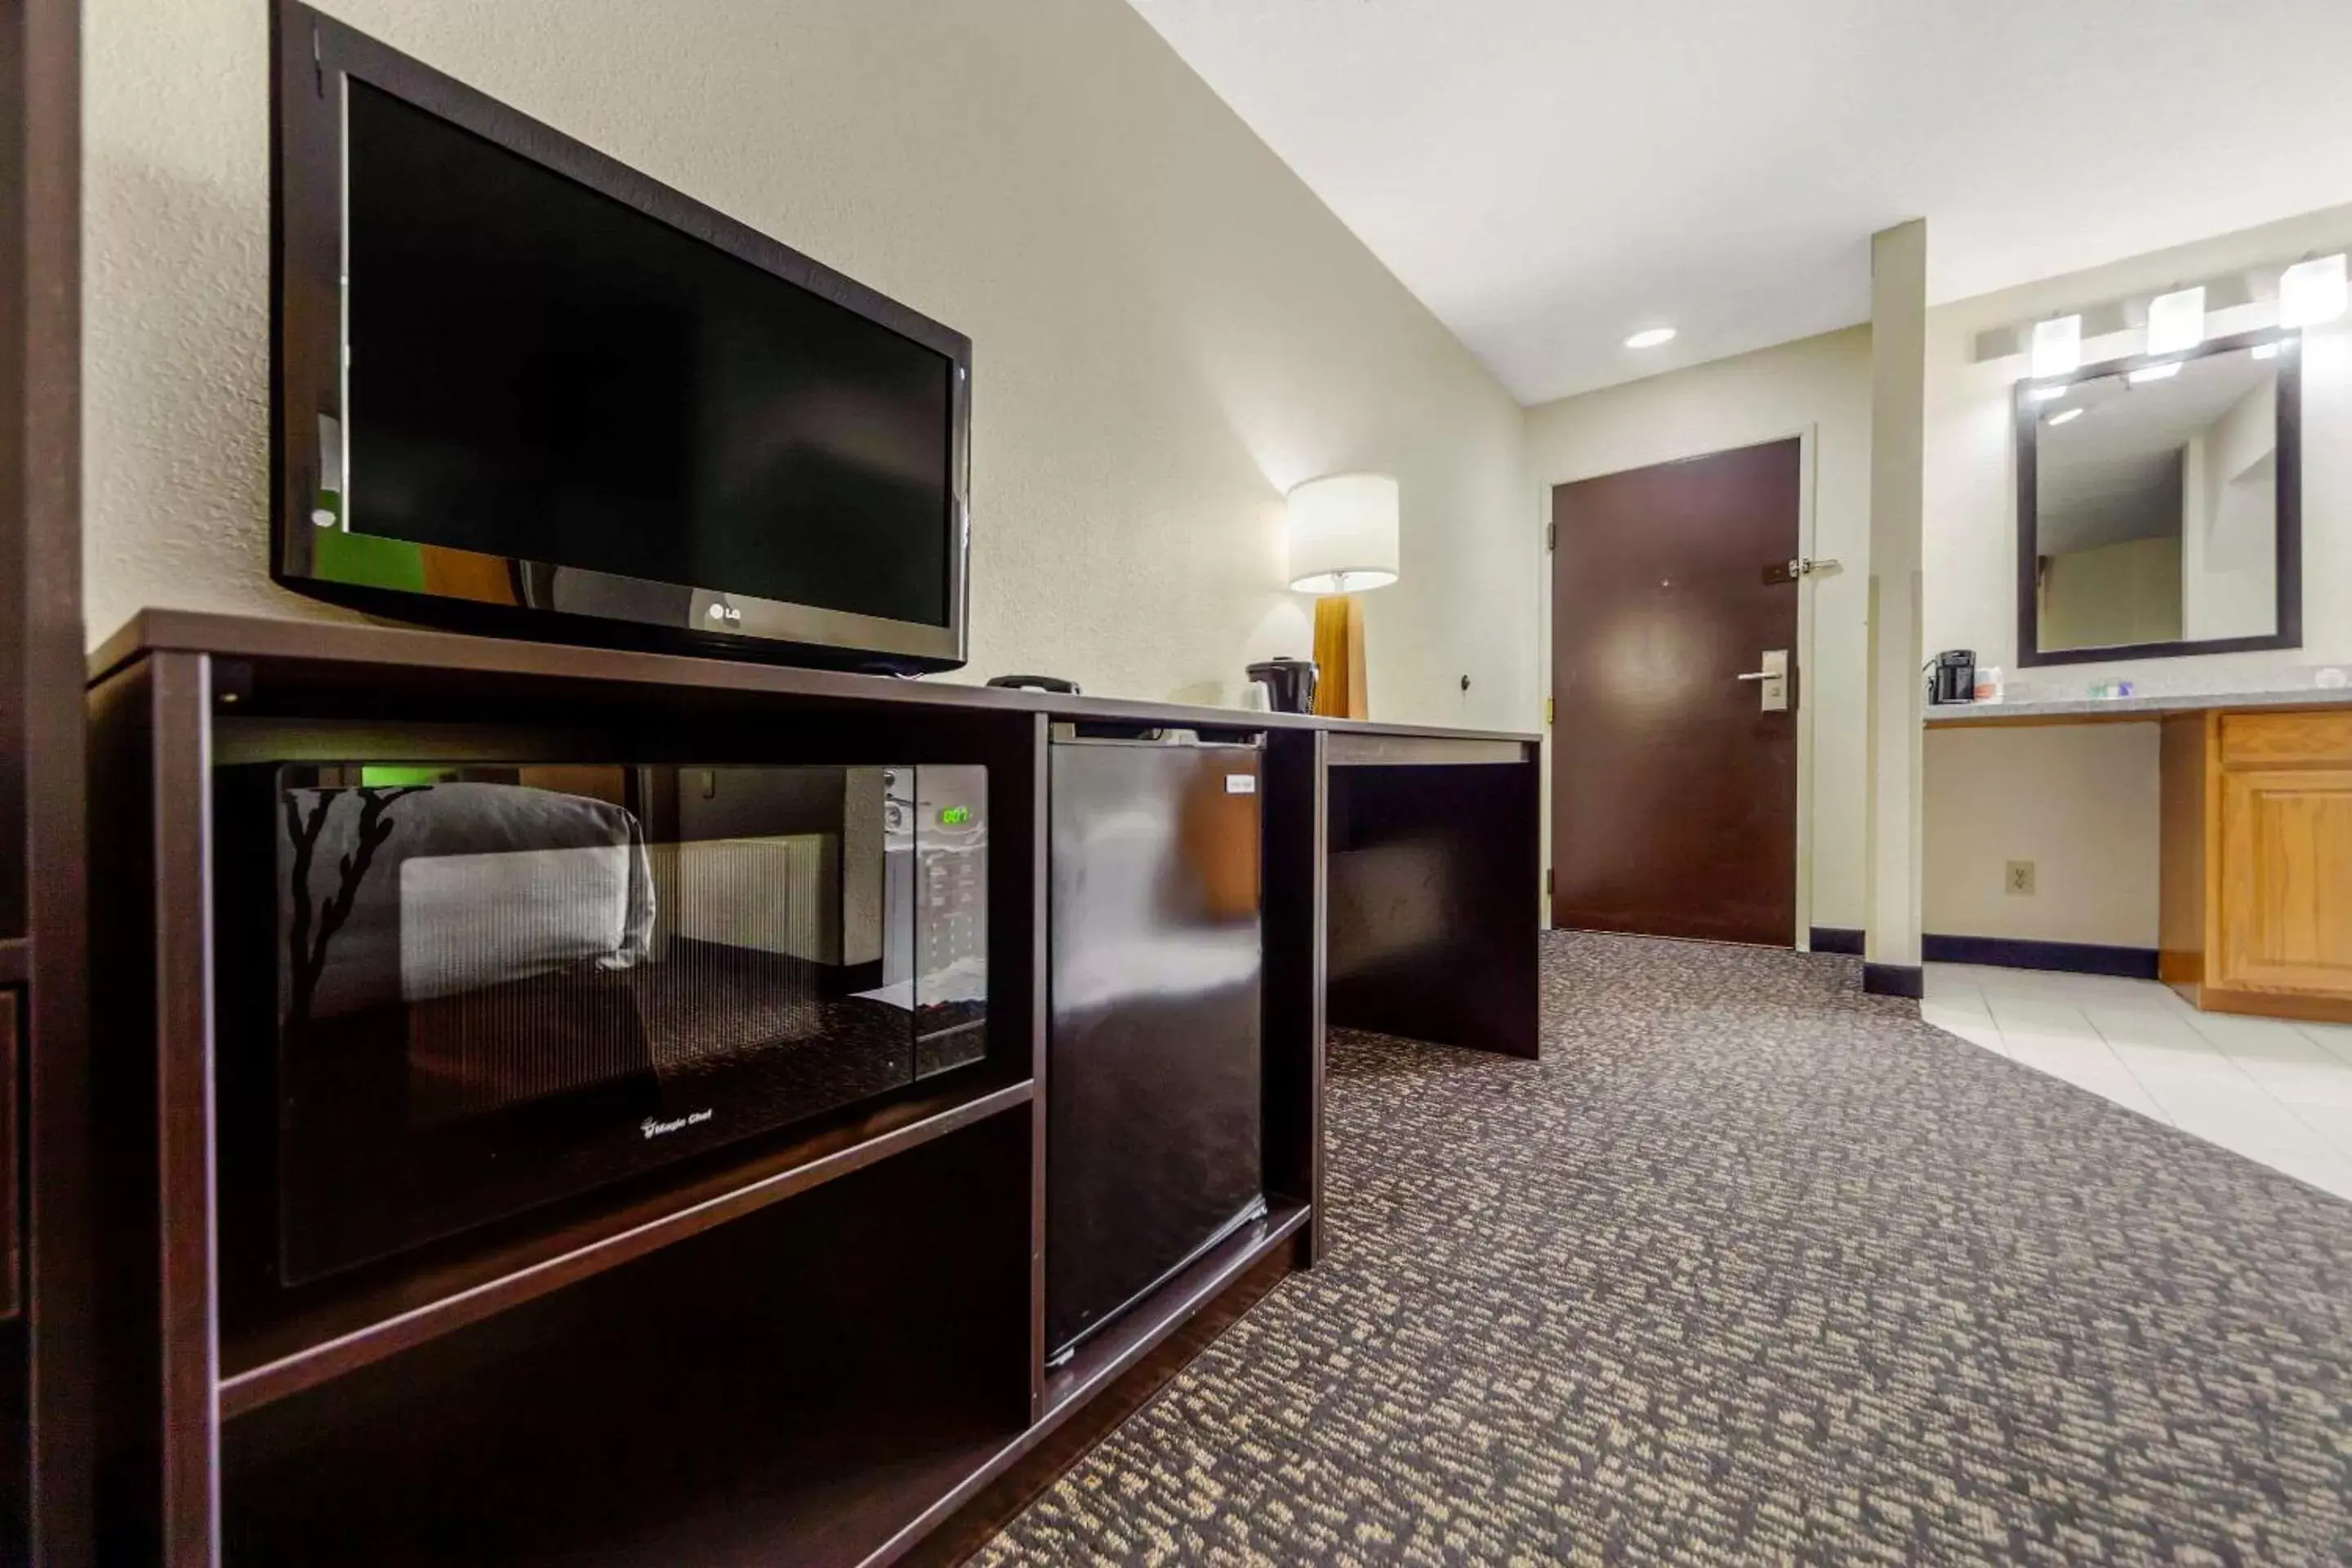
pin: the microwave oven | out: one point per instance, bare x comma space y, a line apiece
457, 991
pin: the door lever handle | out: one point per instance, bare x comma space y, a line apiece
1773, 696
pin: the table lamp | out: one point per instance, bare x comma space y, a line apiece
1342, 534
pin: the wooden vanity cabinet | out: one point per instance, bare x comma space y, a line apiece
2257, 861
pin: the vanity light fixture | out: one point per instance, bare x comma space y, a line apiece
2148, 372
2176, 321
2313, 290
2047, 393
1650, 338
2063, 414
2057, 346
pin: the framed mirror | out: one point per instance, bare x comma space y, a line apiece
2159, 505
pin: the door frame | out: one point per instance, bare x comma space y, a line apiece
1808, 457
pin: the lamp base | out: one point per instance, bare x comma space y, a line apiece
1339, 656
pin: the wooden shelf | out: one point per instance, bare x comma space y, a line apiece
830, 1493
869, 1480
791, 1387
15, 960
325, 1339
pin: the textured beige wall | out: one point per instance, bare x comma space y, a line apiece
2077, 800
1818, 387
1169, 328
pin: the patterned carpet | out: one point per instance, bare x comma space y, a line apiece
1752, 1268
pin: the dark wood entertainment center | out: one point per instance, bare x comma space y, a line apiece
45, 1103
828, 1349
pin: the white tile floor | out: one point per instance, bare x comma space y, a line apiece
2274, 1091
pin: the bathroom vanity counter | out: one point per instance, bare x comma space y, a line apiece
2153, 705
2254, 840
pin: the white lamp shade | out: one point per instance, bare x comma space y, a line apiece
1342, 533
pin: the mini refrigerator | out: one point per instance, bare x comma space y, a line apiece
1153, 1146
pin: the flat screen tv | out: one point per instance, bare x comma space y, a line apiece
520, 389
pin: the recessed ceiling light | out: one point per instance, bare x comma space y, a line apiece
1650, 338
2147, 373
2063, 414
2047, 393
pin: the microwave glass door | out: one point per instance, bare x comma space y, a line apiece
500, 986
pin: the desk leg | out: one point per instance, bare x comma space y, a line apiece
1294, 903
1431, 923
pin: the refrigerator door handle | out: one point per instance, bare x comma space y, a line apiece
1065, 733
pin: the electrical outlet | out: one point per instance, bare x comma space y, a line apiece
2019, 879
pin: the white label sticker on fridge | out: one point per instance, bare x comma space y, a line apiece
1240, 784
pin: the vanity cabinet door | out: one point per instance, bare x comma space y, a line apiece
2285, 883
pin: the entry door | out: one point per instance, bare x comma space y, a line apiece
1674, 780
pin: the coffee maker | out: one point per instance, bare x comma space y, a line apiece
1952, 676
1289, 684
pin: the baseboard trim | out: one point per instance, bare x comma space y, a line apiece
2305, 1008
2019, 952
1894, 979
1846, 940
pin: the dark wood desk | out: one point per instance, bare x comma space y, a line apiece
1400, 895
1434, 845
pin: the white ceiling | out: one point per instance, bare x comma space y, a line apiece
1551, 175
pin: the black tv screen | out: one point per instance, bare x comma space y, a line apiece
567, 392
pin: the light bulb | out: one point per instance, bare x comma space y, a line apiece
2057, 346
2312, 291
2176, 321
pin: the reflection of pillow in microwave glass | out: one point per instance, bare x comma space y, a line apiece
507, 901
468, 922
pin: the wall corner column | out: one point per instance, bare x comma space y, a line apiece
1898, 376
